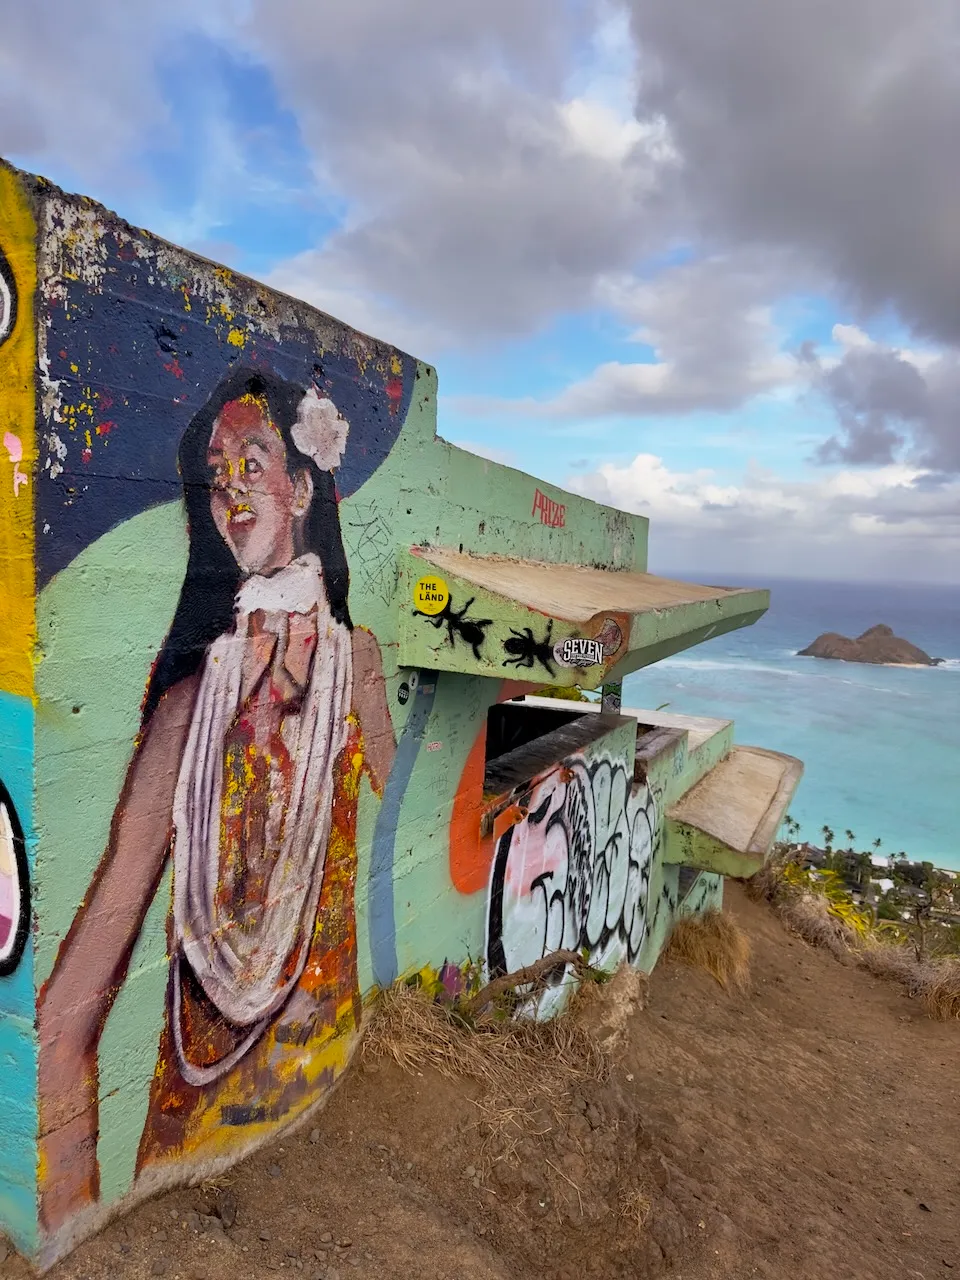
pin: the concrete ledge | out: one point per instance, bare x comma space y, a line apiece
728, 822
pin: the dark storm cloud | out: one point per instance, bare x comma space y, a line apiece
888, 408
476, 200
830, 127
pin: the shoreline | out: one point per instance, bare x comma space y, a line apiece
853, 662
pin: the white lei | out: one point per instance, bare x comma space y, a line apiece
242, 971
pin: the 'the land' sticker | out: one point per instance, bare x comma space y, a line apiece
431, 596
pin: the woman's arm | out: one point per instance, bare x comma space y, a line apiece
370, 704
93, 958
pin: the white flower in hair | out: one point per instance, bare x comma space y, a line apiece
320, 430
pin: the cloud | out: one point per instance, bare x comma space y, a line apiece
79, 83
824, 127
879, 522
483, 195
712, 340
890, 403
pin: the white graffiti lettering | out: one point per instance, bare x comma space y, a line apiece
574, 872
576, 651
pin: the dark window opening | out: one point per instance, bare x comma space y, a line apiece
511, 725
688, 876
524, 741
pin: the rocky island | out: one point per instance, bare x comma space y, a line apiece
877, 645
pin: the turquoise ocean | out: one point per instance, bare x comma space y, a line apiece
881, 746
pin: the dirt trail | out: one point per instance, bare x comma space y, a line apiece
809, 1129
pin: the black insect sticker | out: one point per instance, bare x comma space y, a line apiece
471, 631
525, 649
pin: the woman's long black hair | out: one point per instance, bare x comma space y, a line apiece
205, 608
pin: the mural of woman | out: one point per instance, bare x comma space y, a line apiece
264, 708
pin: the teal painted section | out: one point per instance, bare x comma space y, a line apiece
18, 1040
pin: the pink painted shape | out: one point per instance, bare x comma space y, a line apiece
14, 447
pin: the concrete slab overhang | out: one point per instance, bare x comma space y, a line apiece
728, 821
556, 624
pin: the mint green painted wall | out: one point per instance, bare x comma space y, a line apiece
91, 661
105, 610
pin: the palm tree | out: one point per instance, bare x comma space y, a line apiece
864, 867
827, 837
851, 838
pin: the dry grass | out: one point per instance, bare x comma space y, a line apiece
893, 961
527, 1070
715, 943
808, 915
934, 982
767, 885
636, 1207
940, 990
219, 1182
804, 911
415, 1031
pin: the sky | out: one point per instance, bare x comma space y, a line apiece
700, 261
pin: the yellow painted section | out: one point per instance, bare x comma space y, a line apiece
18, 450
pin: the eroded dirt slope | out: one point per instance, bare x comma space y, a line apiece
809, 1129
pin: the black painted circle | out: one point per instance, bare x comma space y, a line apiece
15, 886
403, 694
8, 299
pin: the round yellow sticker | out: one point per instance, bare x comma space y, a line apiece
431, 596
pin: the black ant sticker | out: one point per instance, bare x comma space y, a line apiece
525, 649
472, 631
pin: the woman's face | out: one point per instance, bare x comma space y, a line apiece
257, 506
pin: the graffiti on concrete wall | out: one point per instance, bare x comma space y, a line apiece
553, 514
195, 459
375, 555
264, 707
573, 871
14, 887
